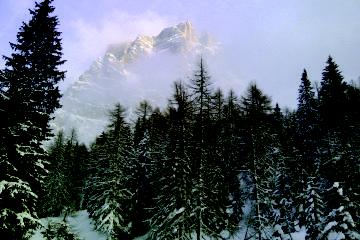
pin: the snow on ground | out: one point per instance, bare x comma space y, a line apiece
300, 235
82, 226
79, 223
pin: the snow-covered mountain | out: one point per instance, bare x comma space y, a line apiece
128, 73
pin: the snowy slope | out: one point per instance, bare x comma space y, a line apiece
82, 226
79, 223
129, 73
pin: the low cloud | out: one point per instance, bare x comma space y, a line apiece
88, 41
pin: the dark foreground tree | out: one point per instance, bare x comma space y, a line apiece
172, 209
209, 214
261, 151
30, 97
109, 187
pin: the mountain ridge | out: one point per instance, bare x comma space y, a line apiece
128, 73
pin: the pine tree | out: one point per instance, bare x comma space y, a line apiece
55, 195
97, 169
313, 209
233, 159
282, 201
31, 77
307, 121
142, 171
201, 101
63, 185
215, 166
351, 160
282, 197
307, 159
76, 157
332, 108
172, 214
340, 219
143, 113
332, 97
260, 153
80, 174
111, 206
141, 185
209, 215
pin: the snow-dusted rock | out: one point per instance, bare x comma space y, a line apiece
129, 73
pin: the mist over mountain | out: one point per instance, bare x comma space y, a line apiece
128, 73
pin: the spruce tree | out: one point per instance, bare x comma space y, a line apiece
201, 101
172, 214
332, 97
307, 120
76, 158
142, 171
143, 113
63, 185
141, 185
209, 215
314, 209
307, 160
340, 220
233, 159
97, 168
110, 205
282, 196
351, 160
260, 152
332, 108
282, 201
55, 194
31, 76
216, 164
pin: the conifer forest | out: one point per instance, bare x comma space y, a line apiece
208, 165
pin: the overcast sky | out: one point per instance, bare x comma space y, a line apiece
269, 42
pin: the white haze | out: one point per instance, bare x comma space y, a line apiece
89, 41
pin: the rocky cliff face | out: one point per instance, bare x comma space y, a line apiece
128, 73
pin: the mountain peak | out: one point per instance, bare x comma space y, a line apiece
180, 37
114, 78
185, 27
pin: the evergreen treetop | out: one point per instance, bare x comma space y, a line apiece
29, 95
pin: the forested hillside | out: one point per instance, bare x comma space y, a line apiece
190, 169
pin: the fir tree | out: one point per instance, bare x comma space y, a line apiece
201, 101
340, 219
260, 153
307, 160
63, 185
206, 200
55, 194
282, 201
332, 108
307, 121
351, 161
141, 185
172, 216
313, 209
142, 171
282, 198
143, 113
31, 77
97, 169
111, 205
233, 159
332, 97
80, 174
